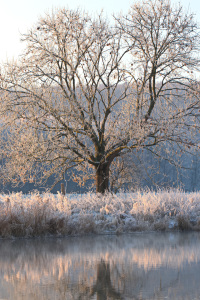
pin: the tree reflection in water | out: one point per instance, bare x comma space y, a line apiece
146, 266
103, 287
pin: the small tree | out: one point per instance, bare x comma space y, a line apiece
84, 93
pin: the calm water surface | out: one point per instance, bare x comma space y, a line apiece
137, 266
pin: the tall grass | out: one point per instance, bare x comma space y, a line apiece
48, 214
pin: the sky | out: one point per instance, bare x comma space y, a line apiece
17, 16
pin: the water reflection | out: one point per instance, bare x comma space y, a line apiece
137, 266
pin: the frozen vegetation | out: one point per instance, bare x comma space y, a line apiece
49, 214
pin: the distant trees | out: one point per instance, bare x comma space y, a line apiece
85, 92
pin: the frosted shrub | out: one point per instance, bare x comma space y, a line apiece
48, 214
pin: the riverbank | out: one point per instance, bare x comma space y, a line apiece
57, 215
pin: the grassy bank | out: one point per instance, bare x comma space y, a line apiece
49, 214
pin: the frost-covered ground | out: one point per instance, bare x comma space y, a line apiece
49, 214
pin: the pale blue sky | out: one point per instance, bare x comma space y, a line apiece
18, 15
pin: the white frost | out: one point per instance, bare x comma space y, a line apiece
49, 214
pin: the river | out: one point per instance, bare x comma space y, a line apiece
132, 266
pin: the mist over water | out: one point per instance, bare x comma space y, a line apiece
135, 266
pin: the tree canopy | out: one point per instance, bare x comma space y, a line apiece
85, 92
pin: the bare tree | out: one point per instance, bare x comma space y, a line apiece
164, 65
84, 93
126, 173
60, 98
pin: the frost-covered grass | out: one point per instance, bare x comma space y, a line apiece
49, 214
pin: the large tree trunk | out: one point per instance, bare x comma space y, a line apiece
102, 178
